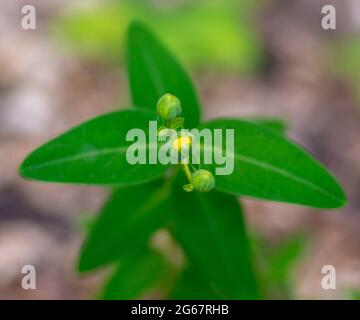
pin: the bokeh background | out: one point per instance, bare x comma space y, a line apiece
248, 58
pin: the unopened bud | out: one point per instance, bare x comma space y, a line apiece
168, 107
203, 180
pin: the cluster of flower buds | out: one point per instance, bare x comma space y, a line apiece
169, 110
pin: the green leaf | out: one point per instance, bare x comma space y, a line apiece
124, 225
210, 228
268, 166
135, 276
276, 125
93, 153
153, 71
191, 285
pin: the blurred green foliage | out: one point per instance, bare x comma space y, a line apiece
192, 285
139, 273
275, 264
354, 295
219, 34
345, 61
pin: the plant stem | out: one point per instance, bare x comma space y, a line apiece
187, 171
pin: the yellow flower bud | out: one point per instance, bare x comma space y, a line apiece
184, 142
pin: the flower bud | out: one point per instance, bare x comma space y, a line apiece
168, 107
183, 143
203, 180
181, 147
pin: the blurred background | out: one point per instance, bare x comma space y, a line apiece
247, 58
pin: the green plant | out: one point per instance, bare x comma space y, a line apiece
275, 262
97, 31
342, 58
208, 226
